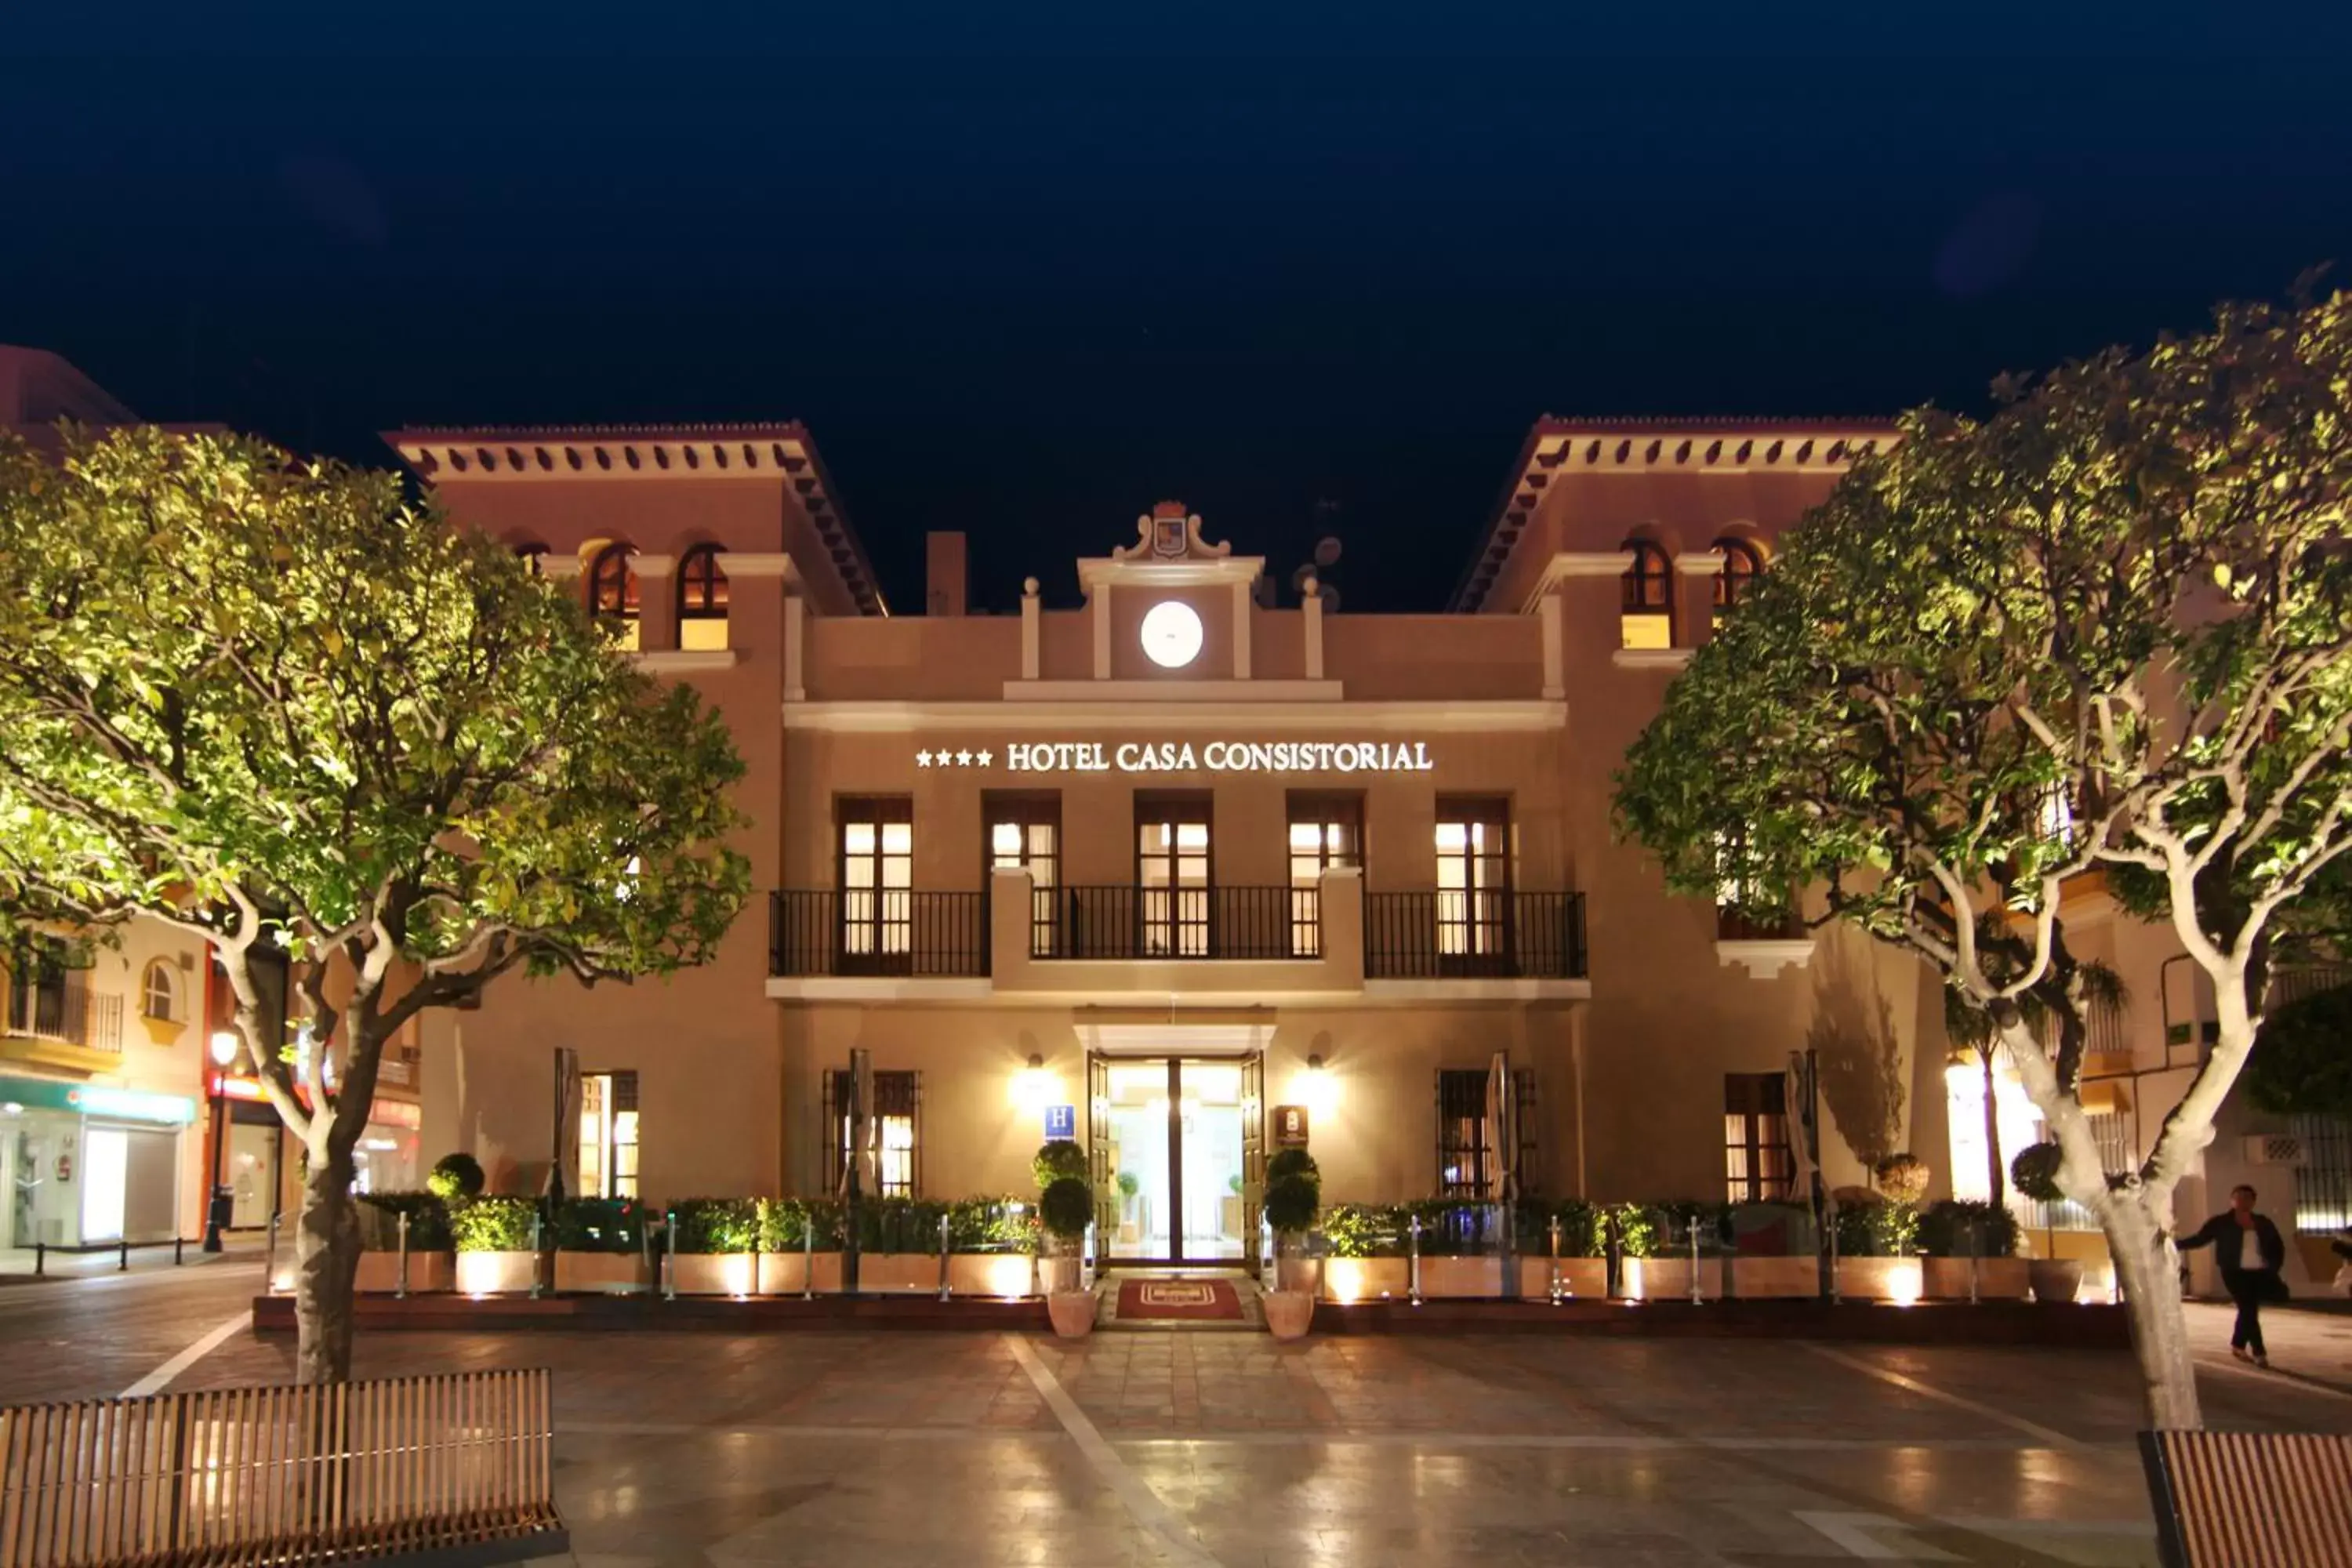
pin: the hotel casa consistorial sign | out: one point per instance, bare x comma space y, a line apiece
1185, 757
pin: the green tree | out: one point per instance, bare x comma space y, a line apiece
257, 699
2103, 629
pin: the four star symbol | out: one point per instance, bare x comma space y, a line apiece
945, 759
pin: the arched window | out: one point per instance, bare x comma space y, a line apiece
159, 993
533, 558
701, 599
1648, 620
612, 592
1742, 564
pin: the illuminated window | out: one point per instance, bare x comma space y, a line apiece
608, 1135
1647, 620
893, 1133
1758, 1162
701, 600
877, 878
159, 993
1473, 881
1737, 894
1327, 833
1742, 564
1024, 831
613, 594
1171, 873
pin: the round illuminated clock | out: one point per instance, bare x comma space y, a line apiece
1171, 635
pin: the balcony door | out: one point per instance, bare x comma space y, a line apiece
1474, 884
877, 878
1172, 874
1024, 833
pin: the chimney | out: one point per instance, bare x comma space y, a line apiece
943, 575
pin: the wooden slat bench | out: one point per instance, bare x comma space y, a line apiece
2251, 1499
452, 1469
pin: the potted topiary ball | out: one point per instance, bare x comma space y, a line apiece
456, 1179
1058, 1159
2055, 1280
1291, 1203
1065, 1208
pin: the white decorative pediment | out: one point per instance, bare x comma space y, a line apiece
1168, 532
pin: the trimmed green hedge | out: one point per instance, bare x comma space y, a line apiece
1881, 1228
1959, 1228
428, 1222
493, 1225
600, 1225
787, 1225
713, 1225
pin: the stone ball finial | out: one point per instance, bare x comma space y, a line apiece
1029, 587
1312, 587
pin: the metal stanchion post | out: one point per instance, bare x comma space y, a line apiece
1555, 1291
536, 1222
1834, 1253
269, 1258
1976, 1246
1698, 1295
669, 1254
808, 1255
944, 1244
179, 1250
1413, 1258
122, 1264
400, 1280
40, 1258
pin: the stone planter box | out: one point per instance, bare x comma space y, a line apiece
1998, 1279
1473, 1278
1004, 1275
1584, 1279
1669, 1278
496, 1273
379, 1271
1767, 1279
1349, 1279
606, 1273
715, 1273
898, 1273
789, 1273
1896, 1279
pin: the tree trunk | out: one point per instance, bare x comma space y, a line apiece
1995, 1177
325, 1264
2147, 1268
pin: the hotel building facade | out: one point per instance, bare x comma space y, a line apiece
1187, 868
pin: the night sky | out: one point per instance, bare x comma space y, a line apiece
1025, 277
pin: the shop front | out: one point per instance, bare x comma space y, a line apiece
86, 1165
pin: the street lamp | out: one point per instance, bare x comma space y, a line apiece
224, 1044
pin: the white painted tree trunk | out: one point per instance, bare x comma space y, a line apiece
325, 1264
2148, 1268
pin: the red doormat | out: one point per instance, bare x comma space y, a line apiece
1141, 1301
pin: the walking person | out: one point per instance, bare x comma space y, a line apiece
2249, 1273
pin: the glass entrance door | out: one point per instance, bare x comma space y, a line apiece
1173, 1130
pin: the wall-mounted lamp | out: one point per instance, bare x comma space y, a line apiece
1032, 1086
1316, 1091
224, 1046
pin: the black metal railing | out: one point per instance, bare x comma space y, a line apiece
1180, 922
890, 931
1476, 934
62, 1008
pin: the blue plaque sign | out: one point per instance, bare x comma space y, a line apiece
1061, 1122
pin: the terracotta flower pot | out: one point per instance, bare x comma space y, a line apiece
1289, 1313
1302, 1274
2056, 1280
1073, 1313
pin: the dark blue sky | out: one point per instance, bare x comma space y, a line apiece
1025, 277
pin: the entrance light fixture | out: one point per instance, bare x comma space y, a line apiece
224, 1046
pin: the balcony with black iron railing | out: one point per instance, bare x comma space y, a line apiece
1327, 936
1442, 934
877, 931
61, 1009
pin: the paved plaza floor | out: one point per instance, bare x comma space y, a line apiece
874, 1449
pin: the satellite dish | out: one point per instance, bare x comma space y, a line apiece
1330, 597
1327, 550
1299, 579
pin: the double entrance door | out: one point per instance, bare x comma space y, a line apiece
1179, 1154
